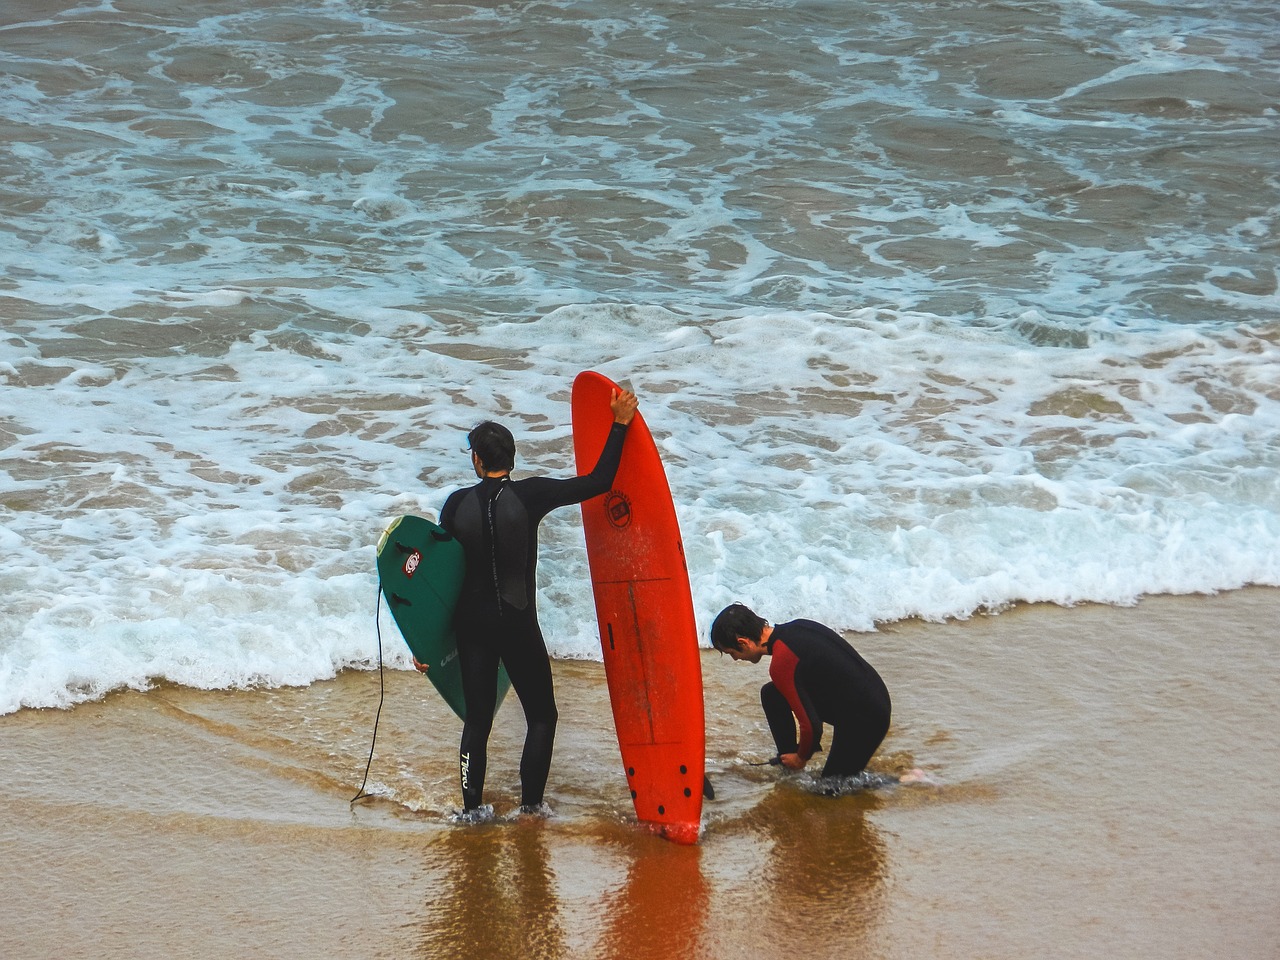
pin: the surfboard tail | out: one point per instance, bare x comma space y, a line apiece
685, 833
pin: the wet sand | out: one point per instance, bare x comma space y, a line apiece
1106, 784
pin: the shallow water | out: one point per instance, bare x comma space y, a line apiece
1103, 781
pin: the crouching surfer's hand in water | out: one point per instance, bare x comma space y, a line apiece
792, 761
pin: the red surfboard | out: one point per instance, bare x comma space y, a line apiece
647, 627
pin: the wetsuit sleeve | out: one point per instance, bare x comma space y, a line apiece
783, 671
543, 494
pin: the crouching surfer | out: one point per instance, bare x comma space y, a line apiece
815, 677
496, 621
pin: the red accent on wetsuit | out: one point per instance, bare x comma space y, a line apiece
782, 671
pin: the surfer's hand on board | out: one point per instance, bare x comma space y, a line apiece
420, 667
791, 761
623, 404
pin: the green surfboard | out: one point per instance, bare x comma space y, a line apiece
420, 568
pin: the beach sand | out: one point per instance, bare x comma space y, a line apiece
1105, 784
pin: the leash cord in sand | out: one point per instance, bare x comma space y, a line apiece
382, 692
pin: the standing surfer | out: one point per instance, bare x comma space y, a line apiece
815, 677
496, 621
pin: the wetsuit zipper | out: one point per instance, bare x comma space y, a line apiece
493, 545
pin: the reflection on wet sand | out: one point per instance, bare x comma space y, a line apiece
498, 897
795, 866
825, 870
537, 890
661, 910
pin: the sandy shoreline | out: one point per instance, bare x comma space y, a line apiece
1106, 785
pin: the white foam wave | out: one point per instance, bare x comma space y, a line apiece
922, 327
854, 469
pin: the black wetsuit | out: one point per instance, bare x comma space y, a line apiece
496, 620
817, 677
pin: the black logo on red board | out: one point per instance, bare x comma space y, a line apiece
618, 509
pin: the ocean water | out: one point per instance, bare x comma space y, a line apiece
933, 309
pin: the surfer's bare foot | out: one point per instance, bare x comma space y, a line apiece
542, 810
914, 776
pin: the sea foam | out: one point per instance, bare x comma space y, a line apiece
927, 318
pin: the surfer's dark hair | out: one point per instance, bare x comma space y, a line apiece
736, 621
494, 445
